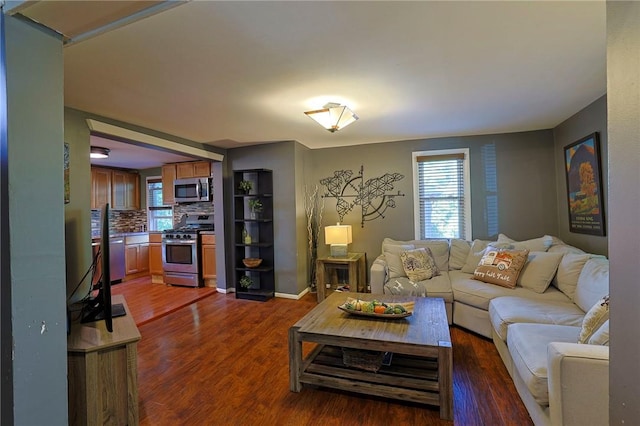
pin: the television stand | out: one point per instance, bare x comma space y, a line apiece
103, 372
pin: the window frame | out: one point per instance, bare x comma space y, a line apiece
466, 185
155, 179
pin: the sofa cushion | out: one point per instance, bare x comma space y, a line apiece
536, 244
392, 254
527, 345
458, 252
439, 286
418, 264
475, 254
569, 269
539, 270
593, 282
501, 266
601, 335
478, 294
593, 319
504, 311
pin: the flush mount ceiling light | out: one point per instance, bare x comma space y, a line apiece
98, 152
333, 116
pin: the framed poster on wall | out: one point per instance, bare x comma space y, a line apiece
584, 186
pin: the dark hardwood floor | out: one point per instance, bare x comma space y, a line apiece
220, 360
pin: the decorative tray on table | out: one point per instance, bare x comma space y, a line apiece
377, 309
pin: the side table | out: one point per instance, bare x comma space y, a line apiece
354, 263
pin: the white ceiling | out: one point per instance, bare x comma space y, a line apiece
238, 73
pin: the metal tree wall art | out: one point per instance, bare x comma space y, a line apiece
372, 196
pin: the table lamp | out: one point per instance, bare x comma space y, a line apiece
339, 237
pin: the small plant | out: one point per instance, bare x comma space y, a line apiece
245, 186
246, 281
255, 205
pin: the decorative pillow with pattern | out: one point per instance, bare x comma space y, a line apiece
501, 266
418, 264
593, 320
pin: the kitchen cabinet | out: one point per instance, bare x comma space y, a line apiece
253, 235
209, 260
100, 187
119, 188
168, 176
193, 169
136, 255
155, 258
125, 190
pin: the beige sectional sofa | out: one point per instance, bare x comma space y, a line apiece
536, 326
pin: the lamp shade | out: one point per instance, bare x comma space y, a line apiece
338, 234
333, 116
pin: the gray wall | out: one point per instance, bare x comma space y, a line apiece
623, 96
34, 63
282, 160
522, 163
591, 119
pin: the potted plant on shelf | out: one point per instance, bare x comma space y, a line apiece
255, 206
245, 186
245, 281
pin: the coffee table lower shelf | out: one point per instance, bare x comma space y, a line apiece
408, 378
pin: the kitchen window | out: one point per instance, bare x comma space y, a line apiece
159, 216
442, 197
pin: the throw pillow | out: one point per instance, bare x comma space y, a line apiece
392, 256
418, 264
536, 244
539, 270
475, 254
601, 335
593, 320
500, 266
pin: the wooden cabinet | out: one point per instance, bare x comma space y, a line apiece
136, 255
100, 187
253, 235
168, 176
155, 258
102, 371
209, 260
119, 188
125, 190
193, 169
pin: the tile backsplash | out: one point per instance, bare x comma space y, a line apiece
136, 220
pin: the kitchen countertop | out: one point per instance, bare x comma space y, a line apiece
208, 232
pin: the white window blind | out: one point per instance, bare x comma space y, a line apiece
159, 216
442, 195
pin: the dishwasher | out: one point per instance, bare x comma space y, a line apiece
117, 262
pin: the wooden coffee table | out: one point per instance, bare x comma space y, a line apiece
421, 365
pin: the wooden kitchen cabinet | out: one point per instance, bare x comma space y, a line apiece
125, 190
155, 258
100, 187
119, 188
136, 255
168, 176
193, 169
209, 260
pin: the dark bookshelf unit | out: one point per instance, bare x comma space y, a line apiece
259, 228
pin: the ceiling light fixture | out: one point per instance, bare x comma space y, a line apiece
98, 152
333, 116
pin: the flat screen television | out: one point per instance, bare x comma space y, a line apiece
99, 307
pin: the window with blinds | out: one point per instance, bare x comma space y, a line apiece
441, 194
159, 216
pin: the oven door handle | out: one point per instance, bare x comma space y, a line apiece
183, 242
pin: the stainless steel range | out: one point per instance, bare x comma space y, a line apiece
181, 248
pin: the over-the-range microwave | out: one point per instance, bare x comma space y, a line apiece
190, 190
